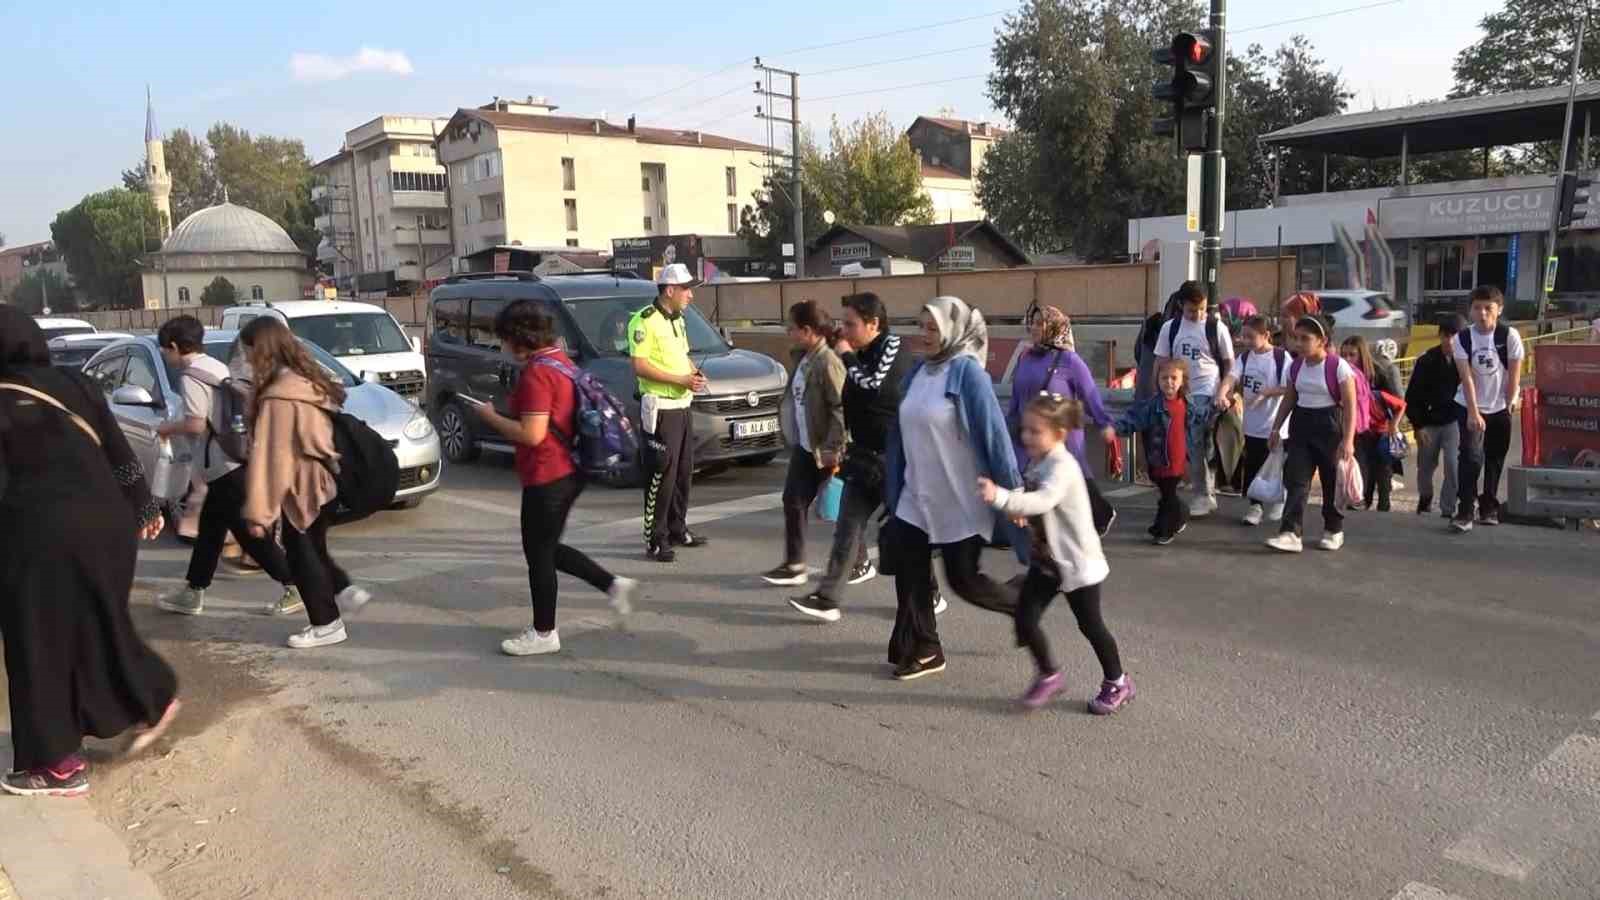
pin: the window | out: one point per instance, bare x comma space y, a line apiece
352, 334
733, 181
572, 242
417, 181
480, 326
380, 226
646, 181
142, 373
469, 214
492, 207
733, 218
572, 215
569, 174
649, 224
107, 373
183, 295
256, 292
604, 320
450, 321
488, 165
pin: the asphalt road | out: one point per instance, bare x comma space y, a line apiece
1415, 716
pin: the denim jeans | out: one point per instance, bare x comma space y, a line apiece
1202, 483
1438, 445
849, 540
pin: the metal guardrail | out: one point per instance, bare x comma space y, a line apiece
1567, 336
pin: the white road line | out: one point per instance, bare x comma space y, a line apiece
1573, 767
697, 516
1416, 890
479, 505
1129, 491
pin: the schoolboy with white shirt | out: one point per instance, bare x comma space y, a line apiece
1206, 346
1263, 372
1488, 357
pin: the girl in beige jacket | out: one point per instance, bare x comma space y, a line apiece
290, 474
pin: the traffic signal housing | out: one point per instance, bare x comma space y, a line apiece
1572, 199
1191, 90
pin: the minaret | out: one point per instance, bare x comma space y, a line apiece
156, 175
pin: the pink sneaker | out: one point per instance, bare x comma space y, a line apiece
1112, 696
1044, 688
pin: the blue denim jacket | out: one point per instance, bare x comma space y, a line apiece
984, 427
1150, 418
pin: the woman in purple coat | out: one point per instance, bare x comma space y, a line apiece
1051, 366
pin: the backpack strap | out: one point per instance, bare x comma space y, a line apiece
1281, 356
1502, 345
1172, 334
48, 400
1294, 372
1330, 374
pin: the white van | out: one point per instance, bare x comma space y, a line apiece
364, 337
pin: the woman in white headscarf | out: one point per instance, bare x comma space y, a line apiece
950, 431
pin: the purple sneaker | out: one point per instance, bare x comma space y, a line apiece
1044, 688
1112, 697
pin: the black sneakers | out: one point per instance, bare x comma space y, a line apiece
786, 575
864, 572
1424, 506
660, 554
689, 539
914, 668
42, 783
816, 606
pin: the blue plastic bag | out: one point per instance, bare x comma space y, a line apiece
828, 495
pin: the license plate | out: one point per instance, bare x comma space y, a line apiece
755, 428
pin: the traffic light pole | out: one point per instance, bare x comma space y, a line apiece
1561, 169
1211, 187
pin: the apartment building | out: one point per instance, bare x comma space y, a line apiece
952, 152
519, 174
383, 209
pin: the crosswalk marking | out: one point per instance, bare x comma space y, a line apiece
1573, 767
1132, 490
1416, 890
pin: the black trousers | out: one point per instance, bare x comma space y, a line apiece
1482, 453
1039, 590
1171, 514
1099, 506
669, 458
318, 577
1377, 467
1314, 438
221, 514
1256, 451
800, 488
916, 630
545, 509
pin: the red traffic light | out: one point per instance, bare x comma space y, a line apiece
1192, 48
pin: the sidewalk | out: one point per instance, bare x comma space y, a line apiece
58, 849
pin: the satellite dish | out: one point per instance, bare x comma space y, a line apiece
828, 217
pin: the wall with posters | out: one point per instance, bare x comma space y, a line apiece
1568, 377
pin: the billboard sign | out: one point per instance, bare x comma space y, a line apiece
1569, 405
1507, 211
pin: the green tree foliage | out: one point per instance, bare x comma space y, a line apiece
220, 292
103, 239
39, 287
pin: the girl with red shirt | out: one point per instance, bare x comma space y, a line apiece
542, 421
1161, 419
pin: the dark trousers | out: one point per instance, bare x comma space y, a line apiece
1039, 590
1377, 467
1482, 453
1171, 514
220, 514
318, 577
916, 631
849, 539
669, 457
1099, 506
1313, 447
800, 488
1256, 451
545, 508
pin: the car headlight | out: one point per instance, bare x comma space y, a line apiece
418, 428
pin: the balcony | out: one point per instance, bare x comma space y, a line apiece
324, 223
431, 237
319, 191
418, 200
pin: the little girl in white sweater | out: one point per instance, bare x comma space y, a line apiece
1066, 556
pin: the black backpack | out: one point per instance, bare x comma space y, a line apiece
1502, 344
230, 405
368, 473
1213, 326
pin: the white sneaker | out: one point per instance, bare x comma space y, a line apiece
1275, 512
1253, 516
1331, 541
352, 598
1286, 541
621, 593
940, 604
531, 643
1200, 507
313, 636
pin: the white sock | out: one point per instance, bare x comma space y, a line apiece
1122, 680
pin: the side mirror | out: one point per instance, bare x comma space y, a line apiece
727, 336
416, 345
133, 395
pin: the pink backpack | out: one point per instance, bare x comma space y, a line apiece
1331, 374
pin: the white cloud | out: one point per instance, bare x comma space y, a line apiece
321, 67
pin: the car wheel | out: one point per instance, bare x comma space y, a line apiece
755, 462
455, 435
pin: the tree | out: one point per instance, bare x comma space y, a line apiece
220, 292
194, 181
40, 288
103, 239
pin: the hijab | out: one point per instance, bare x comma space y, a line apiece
22, 343
962, 331
1055, 330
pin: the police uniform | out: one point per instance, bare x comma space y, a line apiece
662, 338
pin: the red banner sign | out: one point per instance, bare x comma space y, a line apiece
1569, 405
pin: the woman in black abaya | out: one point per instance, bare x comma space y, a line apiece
73, 503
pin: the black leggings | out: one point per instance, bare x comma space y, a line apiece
1377, 467
1039, 590
318, 577
545, 508
1256, 451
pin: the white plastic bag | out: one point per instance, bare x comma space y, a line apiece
1267, 486
1351, 486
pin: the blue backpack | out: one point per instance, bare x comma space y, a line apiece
606, 444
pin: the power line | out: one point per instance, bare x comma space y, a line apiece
640, 104
886, 62
899, 87
1329, 14
743, 86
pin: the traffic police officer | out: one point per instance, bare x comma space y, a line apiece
658, 342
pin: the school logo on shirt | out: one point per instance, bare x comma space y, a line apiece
1251, 384
1192, 352
1486, 359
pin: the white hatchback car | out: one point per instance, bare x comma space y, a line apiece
364, 337
1362, 309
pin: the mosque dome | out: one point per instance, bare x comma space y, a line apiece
226, 228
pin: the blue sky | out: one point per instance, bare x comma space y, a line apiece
75, 72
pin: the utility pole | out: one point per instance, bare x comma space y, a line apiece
1211, 187
796, 190
1547, 285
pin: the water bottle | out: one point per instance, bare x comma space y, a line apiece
237, 425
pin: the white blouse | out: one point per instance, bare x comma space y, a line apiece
941, 490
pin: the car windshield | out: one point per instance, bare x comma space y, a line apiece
223, 351
604, 321
62, 330
72, 358
352, 334
1380, 301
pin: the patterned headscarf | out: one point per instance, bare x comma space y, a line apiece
962, 331
1055, 330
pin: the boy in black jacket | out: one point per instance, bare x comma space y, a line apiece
1431, 407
